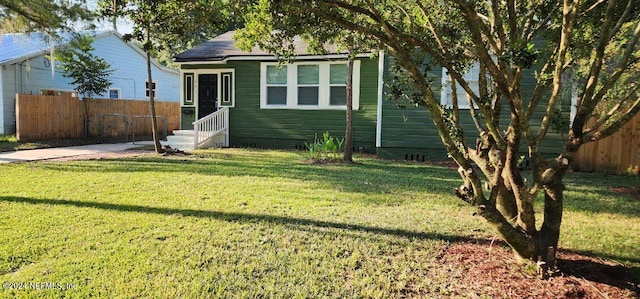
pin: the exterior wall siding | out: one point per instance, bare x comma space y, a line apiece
129, 76
8, 99
410, 133
131, 71
1, 101
407, 133
251, 126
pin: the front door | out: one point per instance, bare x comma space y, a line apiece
207, 94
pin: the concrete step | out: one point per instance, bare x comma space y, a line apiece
180, 138
183, 132
179, 145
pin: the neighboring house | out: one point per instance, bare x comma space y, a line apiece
285, 106
25, 69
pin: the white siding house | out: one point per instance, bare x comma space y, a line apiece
25, 69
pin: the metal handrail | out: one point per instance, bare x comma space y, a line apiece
211, 125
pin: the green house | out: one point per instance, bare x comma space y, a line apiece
264, 104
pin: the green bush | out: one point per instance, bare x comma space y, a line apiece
326, 148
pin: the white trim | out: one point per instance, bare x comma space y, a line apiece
198, 72
574, 103
183, 95
380, 94
116, 89
153, 88
270, 58
323, 88
471, 76
231, 102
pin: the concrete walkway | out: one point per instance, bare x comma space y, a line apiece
62, 152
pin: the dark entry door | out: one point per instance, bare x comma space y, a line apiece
207, 94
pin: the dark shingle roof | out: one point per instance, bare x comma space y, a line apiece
223, 47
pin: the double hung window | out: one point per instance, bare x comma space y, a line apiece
471, 77
307, 85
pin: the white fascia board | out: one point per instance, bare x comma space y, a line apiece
24, 58
271, 58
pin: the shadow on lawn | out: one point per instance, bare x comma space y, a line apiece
239, 217
571, 263
376, 177
370, 177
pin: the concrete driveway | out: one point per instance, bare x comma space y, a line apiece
62, 152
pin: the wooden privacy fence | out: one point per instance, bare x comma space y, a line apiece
63, 117
615, 154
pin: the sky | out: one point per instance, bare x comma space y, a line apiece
123, 25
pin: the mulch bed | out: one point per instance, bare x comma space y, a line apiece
490, 270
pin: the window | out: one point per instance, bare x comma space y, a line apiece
114, 93
338, 84
471, 77
188, 88
227, 88
146, 89
307, 85
276, 85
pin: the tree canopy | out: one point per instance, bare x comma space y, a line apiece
42, 15
89, 72
587, 50
175, 25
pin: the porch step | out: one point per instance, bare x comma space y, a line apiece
184, 140
181, 139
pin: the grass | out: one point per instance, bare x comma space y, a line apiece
255, 223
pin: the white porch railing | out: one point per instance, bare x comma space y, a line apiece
210, 126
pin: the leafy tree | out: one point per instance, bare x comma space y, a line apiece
89, 72
42, 15
166, 25
587, 47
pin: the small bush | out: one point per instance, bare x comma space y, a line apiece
326, 148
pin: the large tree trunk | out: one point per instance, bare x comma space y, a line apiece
154, 123
348, 136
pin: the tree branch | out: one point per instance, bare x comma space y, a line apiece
622, 66
569, 17
615, 125
587, 101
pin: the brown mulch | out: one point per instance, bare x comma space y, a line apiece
490, 270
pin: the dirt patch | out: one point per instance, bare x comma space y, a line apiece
109, 155
490, 270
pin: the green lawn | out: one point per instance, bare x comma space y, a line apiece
254, 223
